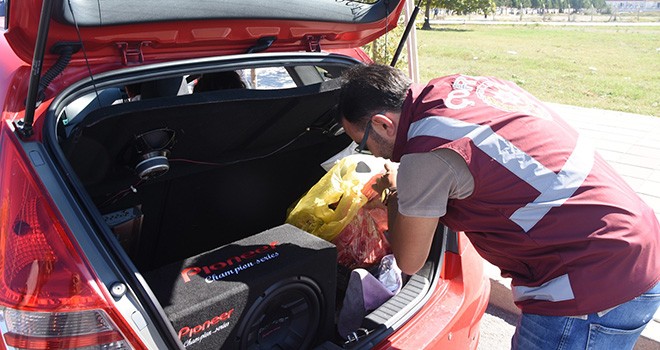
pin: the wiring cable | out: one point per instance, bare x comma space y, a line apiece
121, 194
84, 51
54, 71
237, 161
133, 188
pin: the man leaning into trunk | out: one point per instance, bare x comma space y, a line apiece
482, 156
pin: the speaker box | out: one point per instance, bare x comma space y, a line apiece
273, 290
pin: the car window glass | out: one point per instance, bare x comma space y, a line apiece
324, 73
267, 78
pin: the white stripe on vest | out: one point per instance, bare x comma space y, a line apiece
556, 289
555, 188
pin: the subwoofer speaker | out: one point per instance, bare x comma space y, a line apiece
273, 290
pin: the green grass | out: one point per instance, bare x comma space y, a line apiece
615, 68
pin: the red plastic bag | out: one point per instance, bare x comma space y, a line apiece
362, 242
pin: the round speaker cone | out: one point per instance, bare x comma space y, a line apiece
152, 167
285, 317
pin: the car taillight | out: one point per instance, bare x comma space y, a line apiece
49, 297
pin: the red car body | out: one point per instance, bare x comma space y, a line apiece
53, 267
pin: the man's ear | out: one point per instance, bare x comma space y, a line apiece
384, 123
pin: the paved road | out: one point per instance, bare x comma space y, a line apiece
631, 144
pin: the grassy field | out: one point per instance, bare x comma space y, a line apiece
615, 68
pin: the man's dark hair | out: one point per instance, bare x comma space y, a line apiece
367, 90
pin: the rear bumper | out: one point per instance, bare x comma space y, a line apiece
451, 317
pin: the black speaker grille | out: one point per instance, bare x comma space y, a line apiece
285, 317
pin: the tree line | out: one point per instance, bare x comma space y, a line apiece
488, 7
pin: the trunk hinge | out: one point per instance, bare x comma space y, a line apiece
132, 52
262, 44
313, 42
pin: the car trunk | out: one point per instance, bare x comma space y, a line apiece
238, 160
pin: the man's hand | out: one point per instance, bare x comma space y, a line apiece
380, 183
386, 180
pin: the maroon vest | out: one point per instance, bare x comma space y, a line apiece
546, 208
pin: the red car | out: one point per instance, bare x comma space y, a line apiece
139, 212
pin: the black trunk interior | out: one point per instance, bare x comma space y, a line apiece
238, 160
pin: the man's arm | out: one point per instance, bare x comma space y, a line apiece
427, 181
410, 238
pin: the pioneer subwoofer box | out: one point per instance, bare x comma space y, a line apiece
273, 290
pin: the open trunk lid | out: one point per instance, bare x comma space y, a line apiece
125, 31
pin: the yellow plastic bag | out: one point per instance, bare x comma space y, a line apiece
332, 202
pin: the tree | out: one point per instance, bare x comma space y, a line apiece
427, 11
427, 15
458, 6
562, 5
485, 7
578, 4
382, 49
